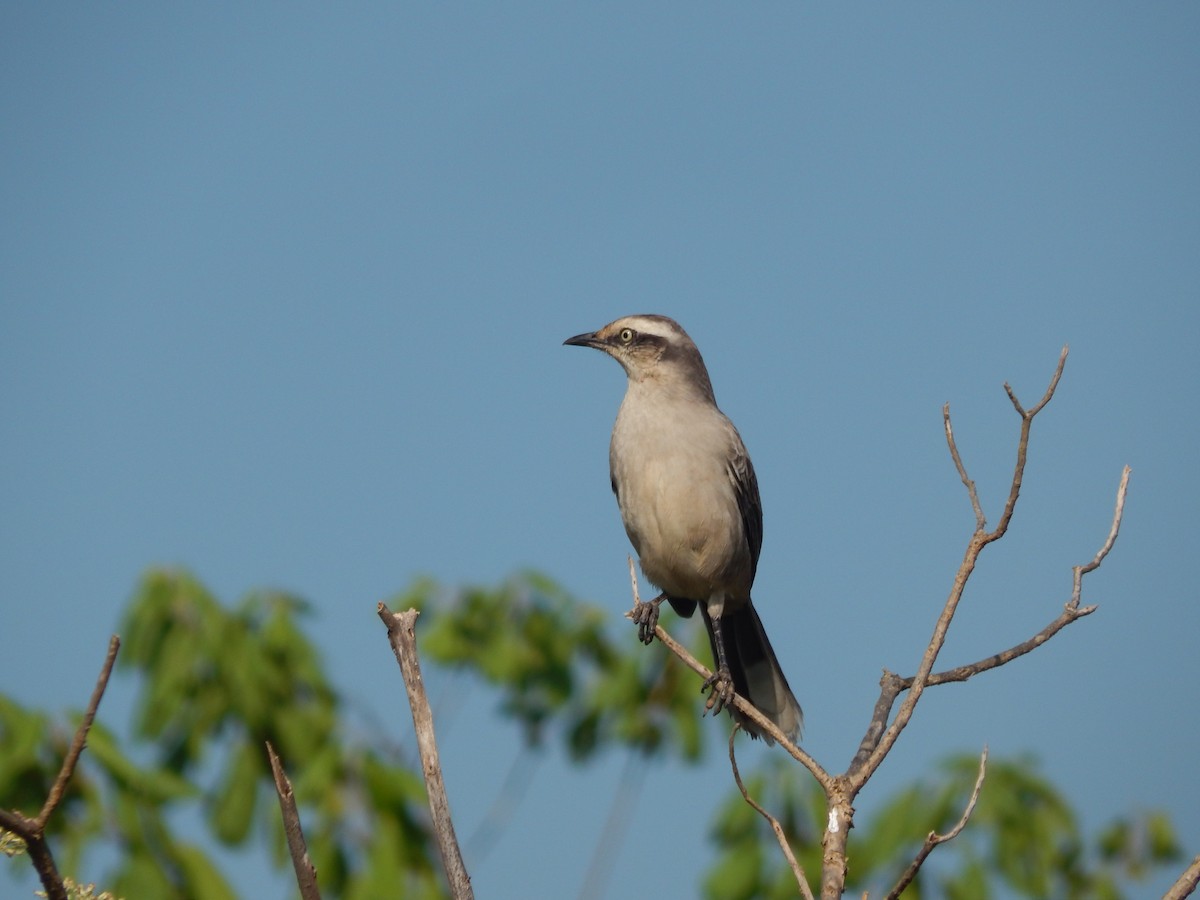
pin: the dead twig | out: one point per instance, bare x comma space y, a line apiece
771, 820
880, 740
933, 838
972, 494
401, 629
33, 830
306, 873
1114, 529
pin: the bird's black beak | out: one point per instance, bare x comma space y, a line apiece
587, 339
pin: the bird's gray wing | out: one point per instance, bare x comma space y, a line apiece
745, 489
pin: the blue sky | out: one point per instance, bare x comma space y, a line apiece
283, 288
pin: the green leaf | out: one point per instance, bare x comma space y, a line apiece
148, 784
1163, 841
737, 876
202, 880
231, 812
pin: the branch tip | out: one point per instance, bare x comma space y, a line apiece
1113, 530
306, 872
972, 493
81, 733
934, 839
401, 629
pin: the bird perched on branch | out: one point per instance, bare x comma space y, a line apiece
689, 500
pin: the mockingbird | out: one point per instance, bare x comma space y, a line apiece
690, 504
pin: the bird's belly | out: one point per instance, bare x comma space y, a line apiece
683, 550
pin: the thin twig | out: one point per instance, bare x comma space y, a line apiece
797, 871
1118, 514
306, 873
962, 673
81, 733
33, 830
740, 702
1186, 883
972, 494
933, 838
401, 629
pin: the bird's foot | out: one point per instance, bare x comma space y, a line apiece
720, 690
645, 614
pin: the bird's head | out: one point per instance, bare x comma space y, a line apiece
649, 347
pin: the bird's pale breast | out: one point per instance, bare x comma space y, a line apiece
689, 545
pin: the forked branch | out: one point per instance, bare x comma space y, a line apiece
33, 830
892, 685
1027, 417
879, 740
933, 838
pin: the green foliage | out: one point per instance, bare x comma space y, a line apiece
554, 663
215, 683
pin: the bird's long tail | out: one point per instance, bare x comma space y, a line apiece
756, 672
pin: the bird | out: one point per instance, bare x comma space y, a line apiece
689, 501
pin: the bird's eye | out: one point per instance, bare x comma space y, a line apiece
626, 335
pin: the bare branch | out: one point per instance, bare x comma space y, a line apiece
933, 838
1118, 514
1023, 444
77, 745
887, 739
740, 702
1186, 883
401, 629
774, 823
306, 873
1071, 610
33, 830
865, 763
1058, 372
962, 673
980, 521
892, 685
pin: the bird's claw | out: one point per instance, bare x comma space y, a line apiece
720, 690
645, 614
